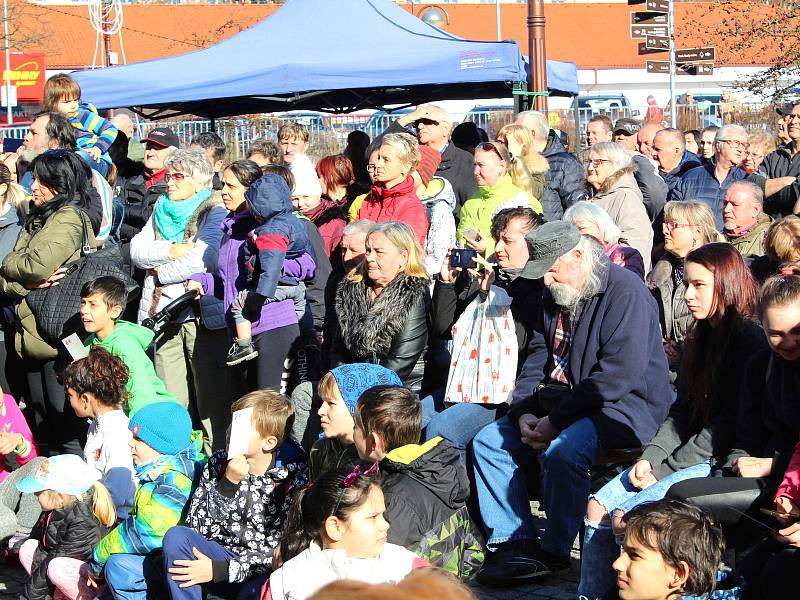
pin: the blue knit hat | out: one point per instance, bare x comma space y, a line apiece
164, 426
353, 380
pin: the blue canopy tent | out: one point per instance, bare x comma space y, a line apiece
336, 56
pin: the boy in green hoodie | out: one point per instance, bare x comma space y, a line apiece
102, 303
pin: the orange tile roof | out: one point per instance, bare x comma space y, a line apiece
591, 35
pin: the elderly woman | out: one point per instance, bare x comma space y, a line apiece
609, 171
382, 305
687, 225
591, 219
393, 196
50, 238
761, 144
181, 238
496, 191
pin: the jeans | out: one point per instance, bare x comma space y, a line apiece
599, 544
457, 423
100, 166
135, 577
502, 493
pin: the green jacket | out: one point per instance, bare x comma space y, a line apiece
477, 212
39, 251
752, 242
129, 342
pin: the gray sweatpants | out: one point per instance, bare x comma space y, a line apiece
18, 512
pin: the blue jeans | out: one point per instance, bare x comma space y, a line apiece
178, 544
600, 547
502, 493
100, 166
135, 577
458, 423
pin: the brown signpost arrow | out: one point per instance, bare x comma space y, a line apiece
695, 54
662, 67
661, 6
643, 49
656, 42
648, 18
640, 32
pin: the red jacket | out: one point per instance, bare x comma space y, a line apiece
330, 219
399, 203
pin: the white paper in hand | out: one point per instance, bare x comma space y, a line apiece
240, 432
75, 347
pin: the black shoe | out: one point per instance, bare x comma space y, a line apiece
239, 353
518, 562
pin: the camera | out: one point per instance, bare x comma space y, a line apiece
463, 257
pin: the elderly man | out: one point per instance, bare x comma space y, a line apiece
595, 376
779, 174
432, 126
745, 224
710, 182
566, 183
644, 139
598, 129
625, 131
674, 161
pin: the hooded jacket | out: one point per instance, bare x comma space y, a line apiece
129, 342
399, 203
439, 206
165, 485
246, 518
423, 485
565, 179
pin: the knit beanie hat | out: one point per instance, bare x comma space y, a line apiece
306, 180
355, 379
164, 426
429, 160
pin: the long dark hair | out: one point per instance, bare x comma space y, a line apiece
336, 493
735, 298
67, 175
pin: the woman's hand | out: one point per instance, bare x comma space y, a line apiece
750, 466
57, 275
179, 250
485, 277
448, 274
196, 287
641, 475
476, 243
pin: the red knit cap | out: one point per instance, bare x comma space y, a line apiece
428, 163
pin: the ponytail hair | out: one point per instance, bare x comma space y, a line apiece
780, 289
336, 493
102, 504
101, 374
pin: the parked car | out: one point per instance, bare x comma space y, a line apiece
615, 106
381, 119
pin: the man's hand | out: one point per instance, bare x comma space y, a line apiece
237, 469
195, 286
641, 475
543, 434
9, 441
750, 466
412, 117
192, 572
95, 153
527, 424
178, 250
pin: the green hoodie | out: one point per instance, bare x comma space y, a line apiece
129, 342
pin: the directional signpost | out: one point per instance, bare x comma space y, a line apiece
640, 32
648, 18
695, 54
662, 67
656, 42
659, 6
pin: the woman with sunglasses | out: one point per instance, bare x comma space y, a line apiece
496, 191
687, 225
609, 171
181, 238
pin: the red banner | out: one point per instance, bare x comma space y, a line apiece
27, 73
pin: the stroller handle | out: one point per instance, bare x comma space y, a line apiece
166, 314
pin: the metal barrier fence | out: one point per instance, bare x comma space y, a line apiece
328, 133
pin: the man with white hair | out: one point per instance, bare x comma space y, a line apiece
710, 182
745, 223
595, 376
565, 180
432, 126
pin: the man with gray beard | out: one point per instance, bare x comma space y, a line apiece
595, 376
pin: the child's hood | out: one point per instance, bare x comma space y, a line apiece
269, 196
440, 190
187, 462
130, 333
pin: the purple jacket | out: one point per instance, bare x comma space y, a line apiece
231, 275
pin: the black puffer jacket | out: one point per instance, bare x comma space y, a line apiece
139, 201
72, 533
566, 183
423, 486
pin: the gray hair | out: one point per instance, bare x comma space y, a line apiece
614, 152
406, 145
724, 132
588, 211
594, 263
536, 122
360, 227
440, 113
756, 193
674, 135
192, 163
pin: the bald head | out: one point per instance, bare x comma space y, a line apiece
645, 138
668, 146
124, 123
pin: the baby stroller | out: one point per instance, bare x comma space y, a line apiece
158, 321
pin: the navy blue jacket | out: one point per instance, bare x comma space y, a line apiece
688, 162
701, 184
566, 183
617, 363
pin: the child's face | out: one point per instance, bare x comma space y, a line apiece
365, 529
642, 573
68, 107
141, 452
51, 500
336, 420
80, 404
97, 316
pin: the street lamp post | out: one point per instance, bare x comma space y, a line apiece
537, 82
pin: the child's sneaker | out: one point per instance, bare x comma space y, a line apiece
241, 352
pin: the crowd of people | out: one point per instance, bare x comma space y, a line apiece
255, 378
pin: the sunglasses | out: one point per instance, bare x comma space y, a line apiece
502, 153
176, 177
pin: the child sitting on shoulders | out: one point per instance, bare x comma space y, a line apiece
236, 514
671, 549
95, 386
336, 530
79, 511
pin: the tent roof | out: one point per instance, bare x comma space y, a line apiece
337, 56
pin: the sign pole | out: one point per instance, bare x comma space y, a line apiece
9, 108
497, 16
673, 114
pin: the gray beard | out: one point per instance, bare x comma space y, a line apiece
565, 296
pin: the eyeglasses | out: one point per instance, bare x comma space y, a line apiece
736, 144
754, 154
372, 168
595, 162
419, 122
672, 225
177, 177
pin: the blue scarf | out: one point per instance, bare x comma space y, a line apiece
170, 217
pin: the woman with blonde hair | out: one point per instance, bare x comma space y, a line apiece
382, 305
781, 245
529, 167
761, 144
